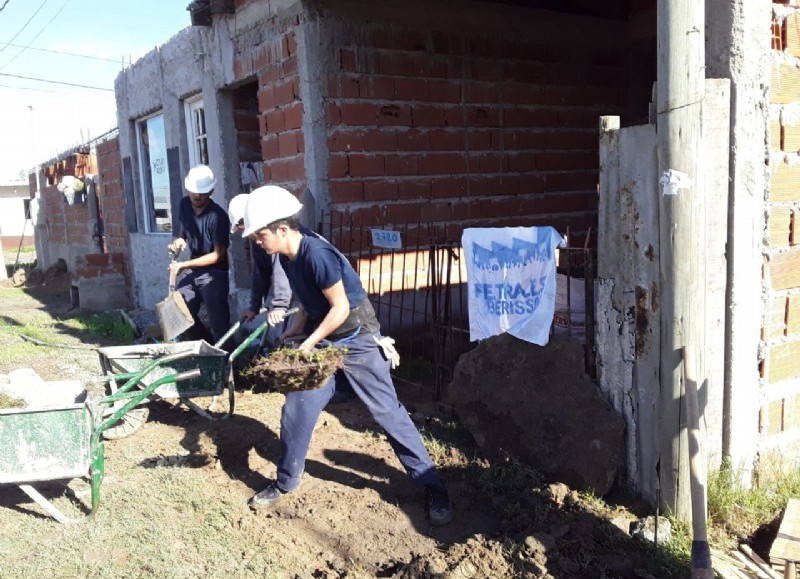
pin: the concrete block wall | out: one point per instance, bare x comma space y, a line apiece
779, 418
100, 279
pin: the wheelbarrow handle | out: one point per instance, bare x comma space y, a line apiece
136, 398
254, 335
188, 375
133, 378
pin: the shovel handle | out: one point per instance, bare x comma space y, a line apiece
172, 274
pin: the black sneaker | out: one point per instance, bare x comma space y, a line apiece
440, 509
266, 498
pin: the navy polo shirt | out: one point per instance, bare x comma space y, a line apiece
202, 232
318, 266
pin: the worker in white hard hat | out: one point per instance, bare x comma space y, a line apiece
203, 277
268, 284
335, 310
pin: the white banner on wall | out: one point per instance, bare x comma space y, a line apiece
511, 273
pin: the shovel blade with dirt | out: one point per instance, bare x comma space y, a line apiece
173, 314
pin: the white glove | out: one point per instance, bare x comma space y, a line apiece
386, 345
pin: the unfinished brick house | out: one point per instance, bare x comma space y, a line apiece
396, 115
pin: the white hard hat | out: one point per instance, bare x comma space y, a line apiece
236, 208
267, 204
200, 179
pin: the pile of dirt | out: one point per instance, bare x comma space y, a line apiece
356, 514
291, 369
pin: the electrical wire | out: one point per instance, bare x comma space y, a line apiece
3, 7
56, 82
38, 34
25, 25
29, 47
25, 88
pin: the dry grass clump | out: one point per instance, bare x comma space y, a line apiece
7, 401
290, 369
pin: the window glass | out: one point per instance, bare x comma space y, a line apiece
196, 127
154, 174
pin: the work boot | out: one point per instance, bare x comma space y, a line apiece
437, 500
266, 498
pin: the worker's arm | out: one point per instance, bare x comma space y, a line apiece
215, 256
340, 309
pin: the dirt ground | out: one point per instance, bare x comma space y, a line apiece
356, 513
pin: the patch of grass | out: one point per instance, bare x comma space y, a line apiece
7, 401
110, 326
740, 510
506, 476
209, 547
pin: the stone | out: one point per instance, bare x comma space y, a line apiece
538, 404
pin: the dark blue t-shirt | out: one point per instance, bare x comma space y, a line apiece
268, 272
202, 232
317, 266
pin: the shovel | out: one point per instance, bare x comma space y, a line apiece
173, 314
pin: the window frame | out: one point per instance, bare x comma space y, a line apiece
196, 136
150, 218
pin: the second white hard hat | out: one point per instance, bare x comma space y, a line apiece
200, 179
266, 205
236, 208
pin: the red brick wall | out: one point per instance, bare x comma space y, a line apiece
245, 116
427, 126
781, 333
272, 58
112, 203
93, 265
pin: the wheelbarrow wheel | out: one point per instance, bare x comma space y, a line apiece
130, 422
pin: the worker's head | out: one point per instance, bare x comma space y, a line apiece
236, 208
269, 214
200, 183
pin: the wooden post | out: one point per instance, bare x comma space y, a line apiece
680, 93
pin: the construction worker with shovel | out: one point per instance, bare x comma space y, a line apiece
335, 308
203, 278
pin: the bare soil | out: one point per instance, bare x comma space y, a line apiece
356, 514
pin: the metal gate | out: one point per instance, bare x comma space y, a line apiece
419, 293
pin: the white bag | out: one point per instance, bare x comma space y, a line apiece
511, 279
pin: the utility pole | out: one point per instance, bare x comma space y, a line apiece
680, 94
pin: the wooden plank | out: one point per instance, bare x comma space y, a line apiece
759, 561
786, 545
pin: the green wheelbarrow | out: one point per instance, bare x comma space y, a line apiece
64, 442
215, 364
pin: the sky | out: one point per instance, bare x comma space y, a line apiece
63, 43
